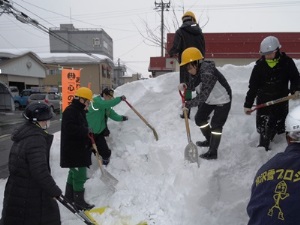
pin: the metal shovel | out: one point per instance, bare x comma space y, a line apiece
106, 177
190, 151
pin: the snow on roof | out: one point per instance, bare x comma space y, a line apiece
56, 57
14, 53
72, 58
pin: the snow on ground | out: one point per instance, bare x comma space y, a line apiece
155, 183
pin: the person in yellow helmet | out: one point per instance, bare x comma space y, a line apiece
188, 35
213, 95
75, 145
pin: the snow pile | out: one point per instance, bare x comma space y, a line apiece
155, 183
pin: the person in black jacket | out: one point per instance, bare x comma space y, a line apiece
274, 76
188, 35
213, 95
75, 146
275, 193
30, 191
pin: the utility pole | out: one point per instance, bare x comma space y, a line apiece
162, 7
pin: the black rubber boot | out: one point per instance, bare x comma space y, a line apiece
212, 152
80, 202
69, 193
264, 141
207, 134
202, 143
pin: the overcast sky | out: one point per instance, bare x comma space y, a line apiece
125, 22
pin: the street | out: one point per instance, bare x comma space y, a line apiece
8, 122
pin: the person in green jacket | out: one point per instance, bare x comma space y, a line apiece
99, 111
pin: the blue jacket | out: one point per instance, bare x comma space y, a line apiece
275, 196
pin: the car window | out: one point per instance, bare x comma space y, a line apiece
26, 93
37, 97
50, 96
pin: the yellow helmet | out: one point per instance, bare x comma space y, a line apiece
84, 92
189, 14
189, 55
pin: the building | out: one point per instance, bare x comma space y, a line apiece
68, 39
21, 68
230, 48
96, 70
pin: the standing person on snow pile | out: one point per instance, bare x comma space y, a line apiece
99, 111
213, 95
275, 193
75, 146
30, 191
269, 81
188, 35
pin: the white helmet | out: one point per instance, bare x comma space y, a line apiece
292, 124
269, 45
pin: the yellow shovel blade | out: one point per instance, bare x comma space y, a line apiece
97, 210
94, 210
142, 223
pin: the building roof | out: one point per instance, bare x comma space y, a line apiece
56, 58
244, 45
74, 58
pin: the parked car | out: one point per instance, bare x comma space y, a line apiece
53, 100
14, 90
22, 99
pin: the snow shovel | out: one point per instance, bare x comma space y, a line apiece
273, 102
87, 219
106, 177
191, 151
142, 118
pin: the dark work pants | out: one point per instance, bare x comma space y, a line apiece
102, 146
218, 119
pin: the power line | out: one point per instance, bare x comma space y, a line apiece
22, 17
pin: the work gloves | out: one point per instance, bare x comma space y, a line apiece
182, 86
247, 111
123, 98
125, 118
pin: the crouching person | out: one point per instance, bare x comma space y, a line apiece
99, 112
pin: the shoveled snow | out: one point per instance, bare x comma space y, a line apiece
155, 183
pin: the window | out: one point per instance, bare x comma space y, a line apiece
96, 42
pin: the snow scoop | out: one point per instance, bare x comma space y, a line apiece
273, 102
191, 151
101, 210
81, 214
143, 119
106, 177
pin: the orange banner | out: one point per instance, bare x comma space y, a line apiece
70, 80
